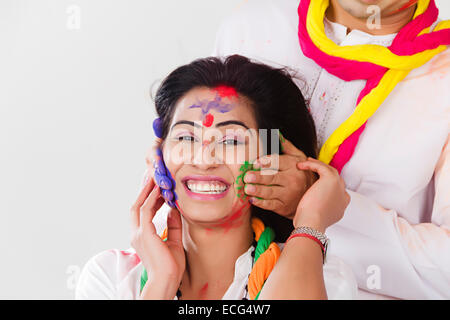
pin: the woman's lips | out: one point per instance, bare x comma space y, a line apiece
205, 187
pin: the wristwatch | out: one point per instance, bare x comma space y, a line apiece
323, 239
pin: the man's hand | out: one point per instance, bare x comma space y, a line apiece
281, 191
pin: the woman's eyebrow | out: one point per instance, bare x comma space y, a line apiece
191, 123
226, 123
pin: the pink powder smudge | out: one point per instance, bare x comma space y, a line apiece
226, 91
233, 221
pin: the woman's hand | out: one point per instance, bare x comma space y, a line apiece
152, 154
325, 202
164, 260
282, 190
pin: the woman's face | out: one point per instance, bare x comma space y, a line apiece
212, 133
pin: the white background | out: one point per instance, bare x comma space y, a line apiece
75, 123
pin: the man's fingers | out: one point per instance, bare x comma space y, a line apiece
277, 162
262, 191
273, 204
258, 178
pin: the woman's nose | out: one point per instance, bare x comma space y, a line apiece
205, 155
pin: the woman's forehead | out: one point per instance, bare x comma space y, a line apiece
206, 105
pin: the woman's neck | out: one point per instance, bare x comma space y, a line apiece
211, 254
388, 24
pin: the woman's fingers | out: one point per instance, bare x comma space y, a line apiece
148, 174
317, 166
174, 226
135, 208
151, 154
148, 210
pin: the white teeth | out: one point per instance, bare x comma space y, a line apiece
209, 188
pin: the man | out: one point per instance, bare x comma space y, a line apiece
395, 233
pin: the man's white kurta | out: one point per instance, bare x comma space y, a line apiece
395, 233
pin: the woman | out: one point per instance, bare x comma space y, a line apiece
217, 244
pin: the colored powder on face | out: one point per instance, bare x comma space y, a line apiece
177, 205
208, 120
226, 91
157, 127
163, 177
247, 166
233, 220
207, 105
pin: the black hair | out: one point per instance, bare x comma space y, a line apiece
276, 100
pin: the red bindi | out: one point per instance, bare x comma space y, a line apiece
208, 120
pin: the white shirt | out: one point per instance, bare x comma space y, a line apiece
116, 274
395, 233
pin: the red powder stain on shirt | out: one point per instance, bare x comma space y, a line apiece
208, 121
226, 91
438, 68
131, 260
126, 253
203, 291
323, 96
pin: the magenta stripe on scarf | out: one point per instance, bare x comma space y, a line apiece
345, 69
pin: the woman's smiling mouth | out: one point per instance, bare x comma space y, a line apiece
205, 187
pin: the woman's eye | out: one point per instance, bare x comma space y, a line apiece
231, 142
186, 138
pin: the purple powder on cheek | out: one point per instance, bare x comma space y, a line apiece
163, 177
157, 127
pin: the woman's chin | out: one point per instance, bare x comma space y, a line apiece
206, 211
